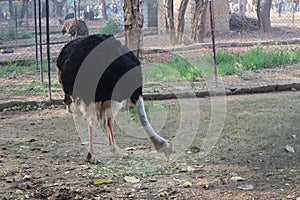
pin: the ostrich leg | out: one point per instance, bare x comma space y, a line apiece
90, 156
160, 144
111, 135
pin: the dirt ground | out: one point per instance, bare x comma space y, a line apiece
256, 156
42, 156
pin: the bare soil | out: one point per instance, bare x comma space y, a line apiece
42, 156
42, 152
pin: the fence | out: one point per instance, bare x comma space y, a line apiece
18, 24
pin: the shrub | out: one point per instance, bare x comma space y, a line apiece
111, 28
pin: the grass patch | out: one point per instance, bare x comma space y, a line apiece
45, 66
111, 27
124, 167
255, 59
180, 69
154, 108
10, 68
11, 34
176, 69
36, 86
28, 107
23, 67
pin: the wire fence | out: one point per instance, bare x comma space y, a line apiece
23, 31
18, 22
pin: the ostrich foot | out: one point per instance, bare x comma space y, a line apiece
117, 151
90, 158
167, 149
162, 145
113, 148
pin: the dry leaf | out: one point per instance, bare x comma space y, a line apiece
131, 179
46, 185
204, 184
187, 184
101, 181
27, 177
237, 178
289, 148
19, 192
246, 187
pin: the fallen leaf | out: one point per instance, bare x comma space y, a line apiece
27, 177
187, 184
204, 184
19, 192
131, 179
246, 187
236, 131
190, 169
163, 193
9, 179
289, 148
135, 148
237, 178
176, 180
46, 185
290, 197
152, 179
101, 181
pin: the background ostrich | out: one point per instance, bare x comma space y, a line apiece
99, 75
70, 26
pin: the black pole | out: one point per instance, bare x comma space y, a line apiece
212, 24
41, 43
48, 49
35, 37
75, 17
78, 8
16, 24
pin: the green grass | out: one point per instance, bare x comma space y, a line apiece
111, 28
37, 86
23, 67
255, 59
259, 57
25, 107
12, 35
176, 69
10, 68
33, 68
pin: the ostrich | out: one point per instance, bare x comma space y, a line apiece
70, 26
100, 75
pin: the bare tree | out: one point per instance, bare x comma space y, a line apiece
198, 26
242, 12
103, 9
181, 21
11, 9
169, 11
133, 24
24, 8
263, 10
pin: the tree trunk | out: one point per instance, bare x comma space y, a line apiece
169, 11
23, 9
181, 21
242, 12
133, 24
263, 15
11, 10
198, 26
59, 10
103, 9
52, 8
